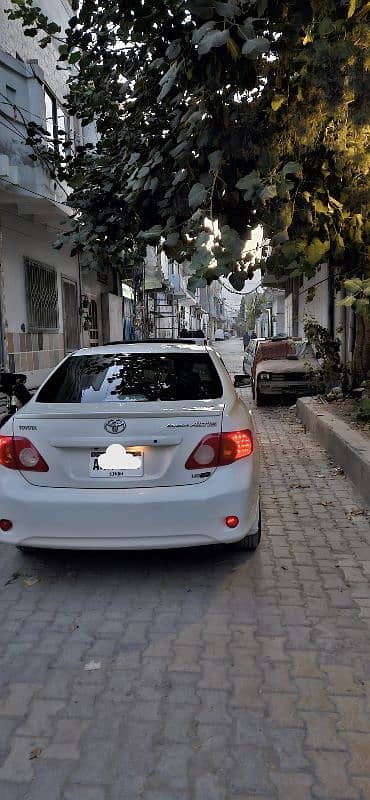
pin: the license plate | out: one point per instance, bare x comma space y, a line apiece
134, 467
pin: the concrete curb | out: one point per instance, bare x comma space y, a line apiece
350, 450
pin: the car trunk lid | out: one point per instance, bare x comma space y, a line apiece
152, 442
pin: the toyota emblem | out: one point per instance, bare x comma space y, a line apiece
115, 425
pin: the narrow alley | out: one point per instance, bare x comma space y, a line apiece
202, 674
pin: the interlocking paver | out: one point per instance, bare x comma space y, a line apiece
223, 676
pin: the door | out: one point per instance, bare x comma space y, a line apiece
70, 315
93, 316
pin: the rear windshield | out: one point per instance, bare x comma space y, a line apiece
131, 378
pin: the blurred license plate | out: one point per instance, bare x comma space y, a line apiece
135, 470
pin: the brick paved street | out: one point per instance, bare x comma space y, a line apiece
222, 675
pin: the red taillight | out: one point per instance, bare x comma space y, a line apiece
235, 445
220, 449
19, 453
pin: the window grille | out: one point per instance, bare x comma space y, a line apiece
42, 296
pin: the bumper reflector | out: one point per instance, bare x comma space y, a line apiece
5, 525
232, 521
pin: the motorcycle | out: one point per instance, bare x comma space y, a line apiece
13, 384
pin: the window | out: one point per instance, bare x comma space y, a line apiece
57, 122
136, 377
41, 296
11, 94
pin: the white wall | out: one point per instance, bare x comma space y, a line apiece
13, 41
318, 308
22, 238
278, 312
289, 314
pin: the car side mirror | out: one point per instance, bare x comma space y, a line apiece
241, 380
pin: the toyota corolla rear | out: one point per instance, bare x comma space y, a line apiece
136, 447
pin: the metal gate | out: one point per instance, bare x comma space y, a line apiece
70, 315
93, 315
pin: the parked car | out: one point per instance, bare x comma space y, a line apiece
249, 354
131, 446
226, 335
219, 335
282, 367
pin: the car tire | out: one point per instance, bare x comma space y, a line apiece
251, 542
258, 397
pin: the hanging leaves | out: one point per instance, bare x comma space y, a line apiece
255, 47
197, 195
246, 113
278, 101
215, 160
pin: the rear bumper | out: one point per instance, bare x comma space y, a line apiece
136, 519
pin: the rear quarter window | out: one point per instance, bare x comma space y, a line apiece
133, 377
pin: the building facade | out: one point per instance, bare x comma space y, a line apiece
50, 303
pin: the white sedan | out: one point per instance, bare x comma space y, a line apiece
131, 446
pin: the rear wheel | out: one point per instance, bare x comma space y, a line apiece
251, 542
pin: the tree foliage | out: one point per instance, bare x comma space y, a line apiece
214, 117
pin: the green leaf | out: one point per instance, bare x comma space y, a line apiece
211, 40
74, 57
200, 32
179, 177
196, 282
291, 168
351, 8
173, 49
237, 280
151, 235
278, 101
316, 251
53, 28
249, 180
347, 302
172, 239
334, 202
311, 292
268, 192
255, 47
354, 285
44, 42
168, 80
308, 39
215, 159
279, 238
320, 206
227, 9
197, 195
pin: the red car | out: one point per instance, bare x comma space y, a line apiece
282, 367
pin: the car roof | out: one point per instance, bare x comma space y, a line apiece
126, 348
275, 348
